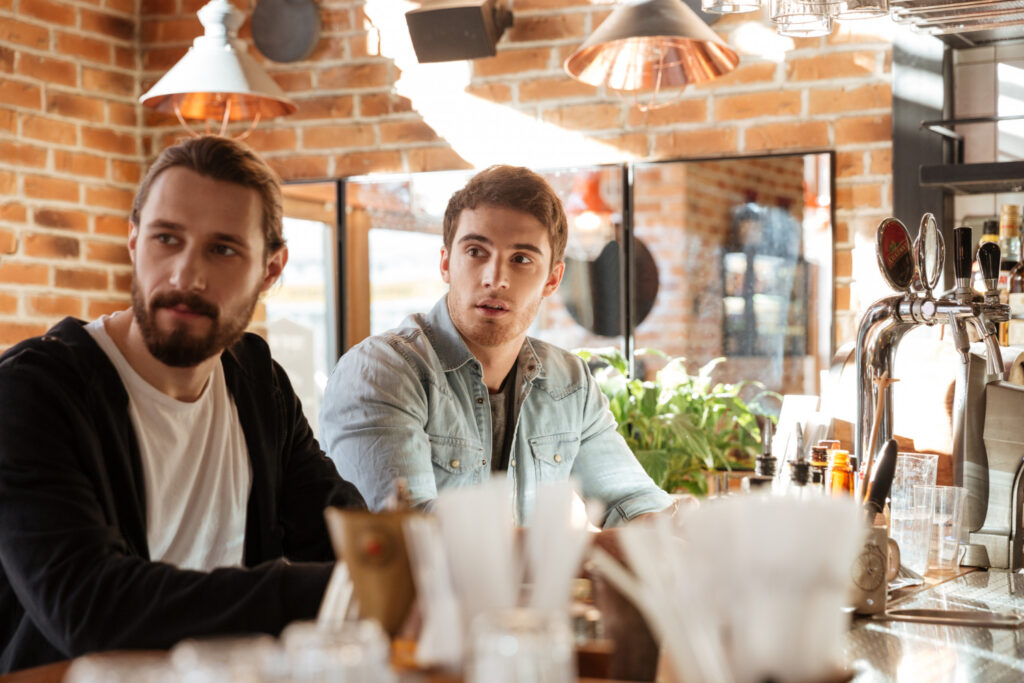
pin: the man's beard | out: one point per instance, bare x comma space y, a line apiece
180, 349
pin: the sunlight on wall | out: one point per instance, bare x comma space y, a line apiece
481, 132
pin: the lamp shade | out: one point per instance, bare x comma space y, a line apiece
217, 78
649, 45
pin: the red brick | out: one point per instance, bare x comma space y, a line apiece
8, 183
56, 218
106, 252
513, 62
756, 105
586, 116
44, 187
12, 333
80, 278
549, 27
842, 232
112, 225
334, 137
492, 92
829, 66
74, 106
157, 7
522, 5
363, 163
634, 143
178, 30
406, 131
48, 130
54, 304
849, 164
122, 6
161, 59
19, 154
875, 96
6, 59
863, 129
293, 81
842, 298
101, 307
8, 120
273, 139
335, 21
382, 104
334, 49
72, 45
48, 12
121, 282
108, 24
551, 89
109, 197
106, 140
435, 159
8, 303
126, 57
779, 136
24, 273
695, 143
324, 107
844, 263
8, 242
295, 167
13, 212
23, 33
125, 171
760, 72
108, 82
48, 70
18, 94
683, 111
368, 75
881, 161
50, 246
862, 195
122, 114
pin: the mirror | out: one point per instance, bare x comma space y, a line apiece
929, 253
894, 254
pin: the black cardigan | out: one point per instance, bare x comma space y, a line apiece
75, 573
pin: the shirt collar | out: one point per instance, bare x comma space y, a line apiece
453, 353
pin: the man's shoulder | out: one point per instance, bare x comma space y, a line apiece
65, 344
563, 372
408, 337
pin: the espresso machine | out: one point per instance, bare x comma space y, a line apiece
988, 412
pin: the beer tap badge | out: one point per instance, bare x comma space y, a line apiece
894, 254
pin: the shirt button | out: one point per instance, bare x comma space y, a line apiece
557, 458
454, 464
512, 462
483, 462
480, 401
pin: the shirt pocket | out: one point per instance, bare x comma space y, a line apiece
456, 461
554, 454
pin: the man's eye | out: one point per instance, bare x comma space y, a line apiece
166, 238
224, 250
522, 259
474, 251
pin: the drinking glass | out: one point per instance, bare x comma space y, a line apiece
350, 652
521, 645
946, 523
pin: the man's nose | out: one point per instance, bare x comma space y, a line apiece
496, 274
189, 272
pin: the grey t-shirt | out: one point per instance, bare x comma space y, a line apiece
503, 420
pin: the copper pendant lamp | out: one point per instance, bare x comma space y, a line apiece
649, 45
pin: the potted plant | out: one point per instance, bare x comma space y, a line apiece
682, 426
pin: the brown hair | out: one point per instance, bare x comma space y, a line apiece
511, 187
228, 160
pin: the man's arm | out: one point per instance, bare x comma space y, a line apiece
66, 559
606, 468
373, 423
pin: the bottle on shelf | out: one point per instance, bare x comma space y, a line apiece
989, 233
840, 474
1014, 327
1009, 244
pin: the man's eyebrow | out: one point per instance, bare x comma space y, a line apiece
163, 224
521, 246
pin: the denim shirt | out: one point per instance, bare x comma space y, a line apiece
412, 403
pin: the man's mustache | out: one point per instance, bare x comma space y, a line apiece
193, 302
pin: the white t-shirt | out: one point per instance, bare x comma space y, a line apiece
195, 466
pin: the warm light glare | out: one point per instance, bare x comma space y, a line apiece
589, 221
757, 39
480, 131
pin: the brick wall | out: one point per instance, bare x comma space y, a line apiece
69, 159
71, 149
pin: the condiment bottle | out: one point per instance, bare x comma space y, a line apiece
840, 474
819, 465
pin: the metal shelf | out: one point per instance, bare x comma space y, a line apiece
983, 178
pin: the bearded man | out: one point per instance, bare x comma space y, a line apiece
157, 477
453, 397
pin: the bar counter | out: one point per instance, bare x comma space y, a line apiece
876, 650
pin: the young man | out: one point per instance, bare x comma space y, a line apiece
157, 477
451, 397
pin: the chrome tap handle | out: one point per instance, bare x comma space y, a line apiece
962, 263
959, 333
988, 260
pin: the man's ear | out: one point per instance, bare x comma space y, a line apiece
555, 279
133, 238
445, 275
275, 264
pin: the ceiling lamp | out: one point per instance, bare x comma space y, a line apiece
649, 45
217, 79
